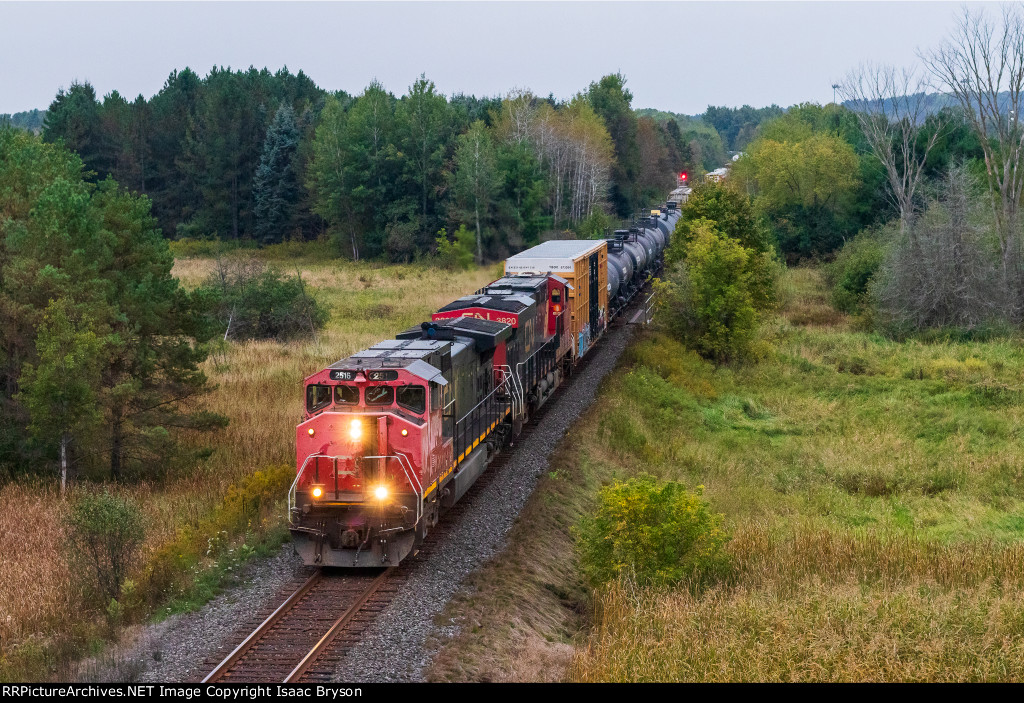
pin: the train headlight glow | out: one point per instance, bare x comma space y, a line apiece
317, 491
311, 431
355, 430
380, 492
405, 433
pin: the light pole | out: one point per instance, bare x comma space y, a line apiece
835, 87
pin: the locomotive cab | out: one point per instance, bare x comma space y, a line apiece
371, 436
388, 439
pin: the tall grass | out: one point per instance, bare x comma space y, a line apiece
37, 592
827, 631
875, 494
874, 490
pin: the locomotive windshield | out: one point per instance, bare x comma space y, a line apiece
317, 396
413, 398
380, 395
346, 395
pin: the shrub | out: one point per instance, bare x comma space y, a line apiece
710, 298
456, 253
317, 249
250, 300
104, 533
944, 274
188, 247
656, 532
852, 271
595, 226
400, 241
250, 508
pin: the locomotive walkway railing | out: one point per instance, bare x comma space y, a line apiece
479, 421
538, 365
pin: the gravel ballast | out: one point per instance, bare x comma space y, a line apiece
393, 648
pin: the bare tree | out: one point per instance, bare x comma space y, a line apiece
890, 104
949, 277
520, 114
982, 65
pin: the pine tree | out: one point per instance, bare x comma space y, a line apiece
276, 188
74, 119
222, 148
172, 183
96, 251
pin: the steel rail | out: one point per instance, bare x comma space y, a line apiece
238, 652
320, 647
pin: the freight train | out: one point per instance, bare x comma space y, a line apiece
395, 434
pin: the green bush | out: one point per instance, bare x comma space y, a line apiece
322, 249
104, 533
252, 301
657, 533
190, 569
852, 271
710, 299
457, 252
597, 225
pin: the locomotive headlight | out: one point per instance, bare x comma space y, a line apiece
311, 431
405, 433
355, 430
380, 492
317, 491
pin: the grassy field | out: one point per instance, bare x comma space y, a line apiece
874, 490
258, 388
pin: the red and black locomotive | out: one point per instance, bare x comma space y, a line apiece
395, 434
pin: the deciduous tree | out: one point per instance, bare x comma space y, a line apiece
475, 179
890, 104
61, 388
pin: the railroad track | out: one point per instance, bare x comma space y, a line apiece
305, 639
286, 645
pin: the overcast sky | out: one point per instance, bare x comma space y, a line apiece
678, 56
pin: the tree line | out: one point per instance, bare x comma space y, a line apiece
815, 175
268, 157
29, 120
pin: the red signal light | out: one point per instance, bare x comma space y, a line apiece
682, 176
